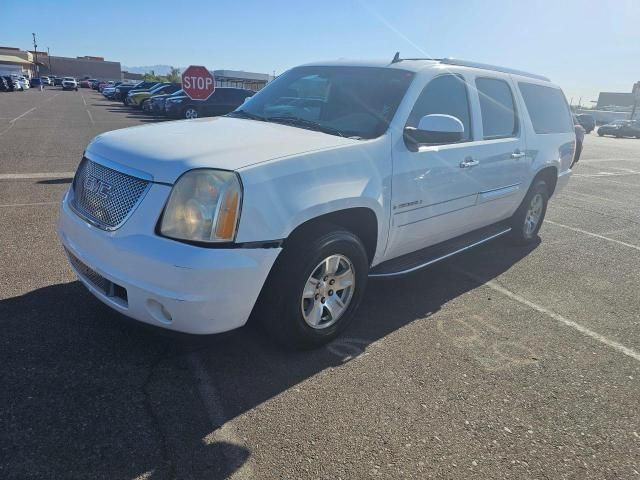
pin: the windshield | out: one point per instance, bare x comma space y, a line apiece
345, 101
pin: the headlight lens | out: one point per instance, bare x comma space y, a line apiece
204, 206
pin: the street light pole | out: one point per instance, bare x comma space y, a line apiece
35, 49
49, 57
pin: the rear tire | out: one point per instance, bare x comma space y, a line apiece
302, 303
526, 222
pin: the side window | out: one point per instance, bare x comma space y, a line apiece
445, 95
497, 108
547, 108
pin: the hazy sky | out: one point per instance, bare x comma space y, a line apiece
586, 46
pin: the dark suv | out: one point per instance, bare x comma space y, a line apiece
222, 101
123, 90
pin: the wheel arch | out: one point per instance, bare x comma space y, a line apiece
361, 221
549, 175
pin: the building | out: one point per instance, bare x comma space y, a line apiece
615, 99
79, 67
239, 79
16, 61
131, 76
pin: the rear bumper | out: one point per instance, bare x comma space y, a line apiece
160, 281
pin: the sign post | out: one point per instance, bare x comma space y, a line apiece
198, 83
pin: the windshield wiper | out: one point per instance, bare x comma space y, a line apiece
301, 122
245, 114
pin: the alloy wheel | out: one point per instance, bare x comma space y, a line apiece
328, 291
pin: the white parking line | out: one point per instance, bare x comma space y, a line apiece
598, 160
91, 117
27, 176
591, 234
565, 321
606, 179
20, 116
83, 99
9, 205
573, 192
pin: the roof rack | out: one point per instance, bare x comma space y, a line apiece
466, 63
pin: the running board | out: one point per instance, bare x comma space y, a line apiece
430, 255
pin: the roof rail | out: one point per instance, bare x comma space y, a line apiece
465, 63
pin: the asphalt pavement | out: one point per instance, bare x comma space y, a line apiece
504, 362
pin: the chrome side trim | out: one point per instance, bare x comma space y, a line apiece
435, 260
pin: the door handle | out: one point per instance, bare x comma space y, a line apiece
469, 162
518, 154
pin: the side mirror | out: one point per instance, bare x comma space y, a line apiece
435, 129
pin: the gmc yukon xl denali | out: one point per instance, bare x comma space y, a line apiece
333, 173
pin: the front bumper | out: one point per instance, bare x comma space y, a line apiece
160, 281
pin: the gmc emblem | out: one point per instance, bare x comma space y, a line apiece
97, 186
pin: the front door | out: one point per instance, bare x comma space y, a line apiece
434, 187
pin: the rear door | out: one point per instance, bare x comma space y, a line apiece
501, 149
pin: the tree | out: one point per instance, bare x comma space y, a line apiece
174, 75
152, 77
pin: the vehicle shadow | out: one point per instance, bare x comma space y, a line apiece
88, 389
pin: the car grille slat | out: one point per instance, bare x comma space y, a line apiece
104, 196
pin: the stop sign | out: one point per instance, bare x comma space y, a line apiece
198, 83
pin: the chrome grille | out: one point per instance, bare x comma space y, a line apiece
91, 276
104, 196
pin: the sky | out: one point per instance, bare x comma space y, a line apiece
585, 46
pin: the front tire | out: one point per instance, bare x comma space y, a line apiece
526, 222
190, 113
315, 288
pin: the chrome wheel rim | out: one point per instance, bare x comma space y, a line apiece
328, 292
534, 213
191, 113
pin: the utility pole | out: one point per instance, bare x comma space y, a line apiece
49, 57
35, 49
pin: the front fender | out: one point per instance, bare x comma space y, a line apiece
282, 194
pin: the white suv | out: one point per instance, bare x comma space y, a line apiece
333, 173
69, 83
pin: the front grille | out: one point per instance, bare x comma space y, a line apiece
104, 196
105, 286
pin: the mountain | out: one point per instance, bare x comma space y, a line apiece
158, 69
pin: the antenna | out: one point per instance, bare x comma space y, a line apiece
396, 58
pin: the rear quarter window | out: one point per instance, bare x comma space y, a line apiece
547, 108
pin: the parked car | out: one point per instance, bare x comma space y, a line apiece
4, 85
69, 83
193, 226
19, 84
36, 82
155, 105
123, 90
621, 128
223, 100
587, 121
109, 91
134, 91
139, 98
57, 81
46, 81
11, 84
87, 82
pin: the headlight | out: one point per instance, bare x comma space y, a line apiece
204, 206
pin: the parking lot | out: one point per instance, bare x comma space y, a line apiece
505, 362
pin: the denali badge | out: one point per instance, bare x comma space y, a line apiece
97, 186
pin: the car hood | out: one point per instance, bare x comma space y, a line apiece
166, 150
